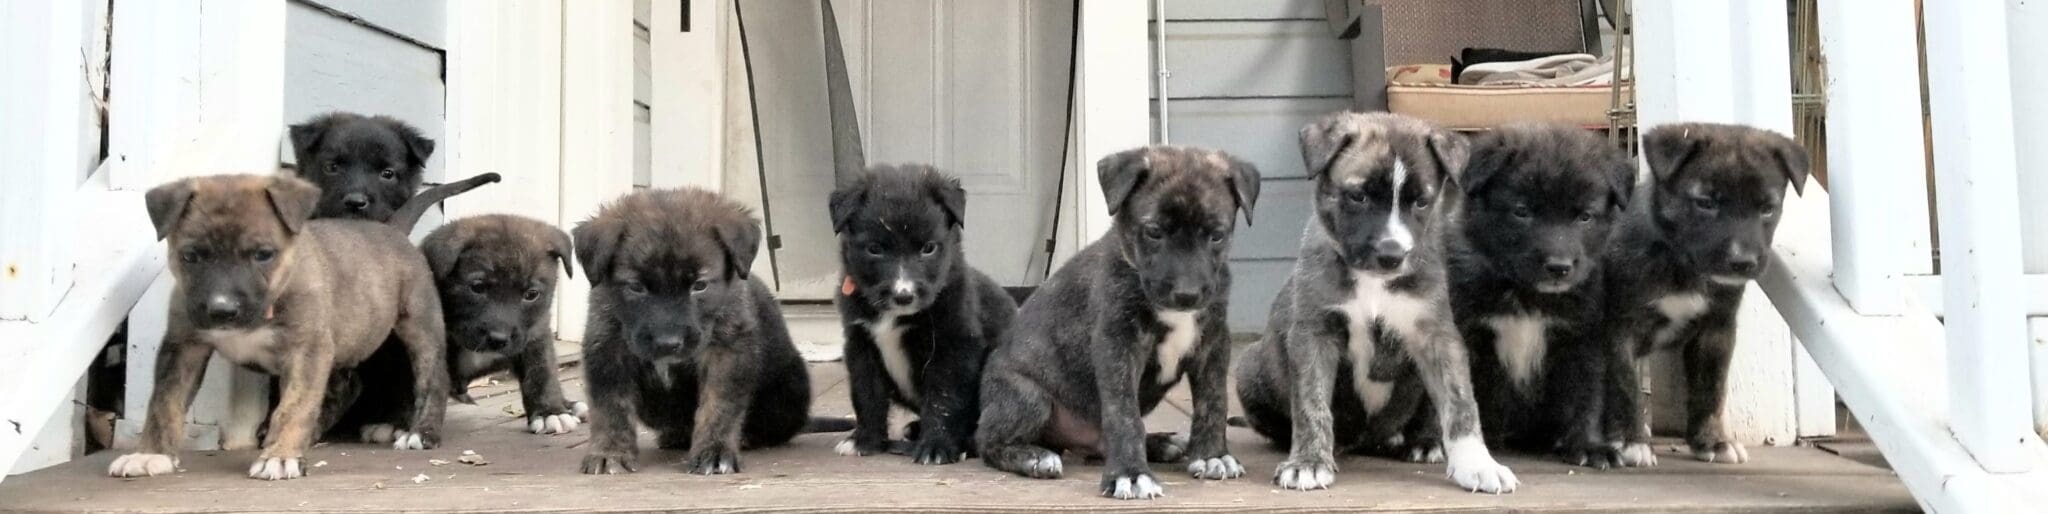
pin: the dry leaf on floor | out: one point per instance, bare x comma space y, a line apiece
420, 478
437, 462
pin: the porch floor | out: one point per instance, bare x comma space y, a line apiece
529, 473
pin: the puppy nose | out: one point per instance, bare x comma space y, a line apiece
1185, 297
355, 201
1742, 263
498, 337
903, 299
222, 308
1388, 261
1558, 266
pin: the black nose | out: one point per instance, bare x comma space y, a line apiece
903, 299
1558, 267
223, 308
498, 338
1185, 298
1388, 261
1742, 264
355, 201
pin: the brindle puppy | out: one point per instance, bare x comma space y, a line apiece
264, 286
496, 274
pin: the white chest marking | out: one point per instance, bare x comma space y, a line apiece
1181, 334
1520, 344
1370, 300
664, 370
242, 346
1679, 311
1397, 230
888, 333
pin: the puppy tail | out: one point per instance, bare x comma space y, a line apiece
1238, 421
824, 424
409, 215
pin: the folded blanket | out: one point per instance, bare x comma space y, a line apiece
1556, 70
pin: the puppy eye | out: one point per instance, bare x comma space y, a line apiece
388, 174
1522, 212
1586, 216
1355, 196
1768, 210
636, 288
189, 256
263, 255
1421, 203
930, 248
1216, 237
333, 166
477, 287
700, 286
532, 295
1706, 204
875, 250
1154, 232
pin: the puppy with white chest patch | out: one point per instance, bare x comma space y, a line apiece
1527, 282
1678, 271
1099, 344
1366, 316
919, 321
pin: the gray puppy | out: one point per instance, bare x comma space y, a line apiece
261, 284
1678, 272
1368, 304
1098, 345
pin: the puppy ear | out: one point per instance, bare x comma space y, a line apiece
167, 205
1621, 179
845, 202
952, 198
306, 136
560, 248
741, 240
1669, 148
1244, 184
1324, 140
1120, 174
1488, 154
293, 200
1450, 152
419, 146
1792, 160
597, 239
444, 247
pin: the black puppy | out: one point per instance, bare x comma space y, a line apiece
496, 274
682, 336
1098, 345
919, 321
366, 166
1678, 272
1527, 282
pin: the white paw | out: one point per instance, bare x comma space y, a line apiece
1141, 488
1475, 470
1046, 466
1722, 453
142, 464
552, 424
1636, 455
1216, 469
580, 410
1433, 454
378, 433
1305, 476
275, 468
846, 449
404, 440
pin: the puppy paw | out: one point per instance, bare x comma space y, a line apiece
402, 439
937, 450
1597, 456
378, 433
1131, 486
142, 464
609, 464
1218, 468
1305, 474
1165, 447
1431, 452
1723, 452
580, 410
1046, 465
552, 424
1474, 469
1635, 455
713, 460
276, 468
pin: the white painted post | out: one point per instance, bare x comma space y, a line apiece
597, 126
688, 130
1976, 184
44, 155
1112, 114
2027, 25
1875, 151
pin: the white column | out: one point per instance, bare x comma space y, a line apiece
2028, 28
597, 127
688, 130
1875, 151
1977, 201
1111, 112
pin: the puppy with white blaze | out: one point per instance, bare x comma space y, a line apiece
919, 321
1678, 272
1365, 319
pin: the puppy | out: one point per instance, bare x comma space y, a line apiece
1368, 305
1527, 282
1098, 345
366, 166
681, 334
919, 321
270, 289
496, 275
1678, 272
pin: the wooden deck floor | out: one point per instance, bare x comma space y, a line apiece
529, 473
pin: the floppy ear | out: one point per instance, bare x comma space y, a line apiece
444, 247
1244, 184
1669, 148
1487, 154
597, 239
1450, 151
741, 240
952, 198
560, 248
845, 201
167, 204
1324, 140
419, 146
306, 136
1120, 174
1621, 179
292, 199
1792, 158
